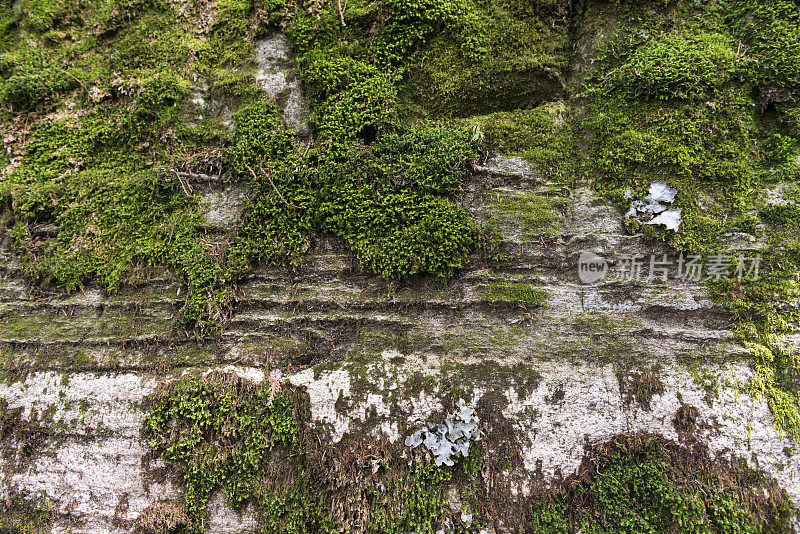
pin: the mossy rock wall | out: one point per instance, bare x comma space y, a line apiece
249, 248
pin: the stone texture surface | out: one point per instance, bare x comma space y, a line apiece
277, 75
222, 210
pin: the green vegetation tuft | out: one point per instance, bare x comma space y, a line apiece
514, 59
641, 485
226, 432
389, 201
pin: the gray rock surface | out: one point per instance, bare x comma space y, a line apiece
509, 167
222, 210
277, 74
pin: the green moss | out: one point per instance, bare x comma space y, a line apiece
356, 99
25, 514
703, 152
682, 98
228, 43
702, 101
537, 215
639, 485
515, 293
387, 201
21, 327
255, 446
542, 136
766, 310
225, 431
518, 63
772, 30
676, 65
710, 384
426, 501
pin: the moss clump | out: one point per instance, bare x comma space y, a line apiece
516, 60
543, 136
388, 201
227, 432
409, 226
425, 503
704, 152
25, 514
515, 293
676, 65
643, 484
771, 30
356, 99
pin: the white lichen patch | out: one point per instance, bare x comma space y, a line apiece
652, 210
450, 439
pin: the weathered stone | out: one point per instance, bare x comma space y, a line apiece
222, 519
222, 210
277, 75
509, 167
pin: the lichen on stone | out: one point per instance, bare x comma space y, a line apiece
449, 439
